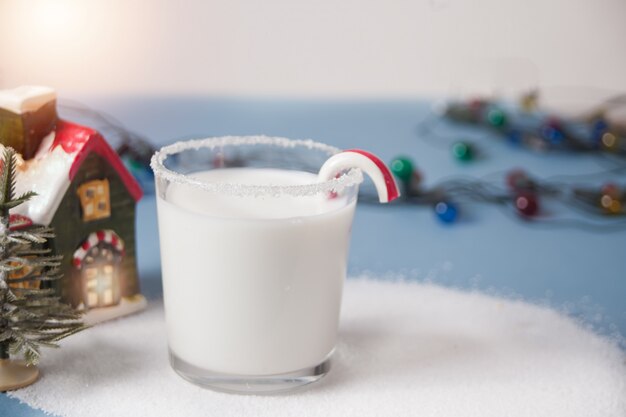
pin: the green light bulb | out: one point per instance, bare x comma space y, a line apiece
496, 117
462, 151
402, 167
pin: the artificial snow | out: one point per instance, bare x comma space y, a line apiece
26, 98
404, 349
48, 174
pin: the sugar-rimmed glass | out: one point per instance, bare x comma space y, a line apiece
254, 254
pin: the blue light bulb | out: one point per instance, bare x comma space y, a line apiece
446, 212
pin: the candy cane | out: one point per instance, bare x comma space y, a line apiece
370, 164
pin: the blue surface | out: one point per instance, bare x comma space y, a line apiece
579, 271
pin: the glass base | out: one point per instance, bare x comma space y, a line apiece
255, 384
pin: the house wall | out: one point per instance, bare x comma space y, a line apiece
71, 231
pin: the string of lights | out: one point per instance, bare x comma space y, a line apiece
518, 193
524, 125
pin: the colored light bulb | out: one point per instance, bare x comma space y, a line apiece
514, 136
496, 117
598, 128
609, 140
552, 134
476, 103
610, 189
528, 101
610, 204
446, 212
526, 204
476, 107
463, 151
517, 179
402, 167
610, 199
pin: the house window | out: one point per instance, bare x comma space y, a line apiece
21, 273
94, 200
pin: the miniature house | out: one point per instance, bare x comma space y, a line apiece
85, 193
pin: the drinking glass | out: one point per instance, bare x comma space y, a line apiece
254, 254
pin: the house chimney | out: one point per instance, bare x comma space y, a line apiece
27, 115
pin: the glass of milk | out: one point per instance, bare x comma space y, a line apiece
253, 253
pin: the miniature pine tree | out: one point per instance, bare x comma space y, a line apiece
31, 316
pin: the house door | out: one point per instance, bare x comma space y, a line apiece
101, 277
98, 262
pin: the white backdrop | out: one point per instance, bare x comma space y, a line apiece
338, 48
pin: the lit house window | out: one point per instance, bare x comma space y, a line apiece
94, 199
20, 273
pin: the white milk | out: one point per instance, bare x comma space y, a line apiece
252, 285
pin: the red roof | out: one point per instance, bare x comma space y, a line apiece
74, 138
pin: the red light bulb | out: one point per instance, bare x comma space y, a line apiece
526, 204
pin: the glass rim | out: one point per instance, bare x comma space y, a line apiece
347, 178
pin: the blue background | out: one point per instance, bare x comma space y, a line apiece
581, 272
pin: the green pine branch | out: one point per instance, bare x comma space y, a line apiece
30, 318
6, 178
